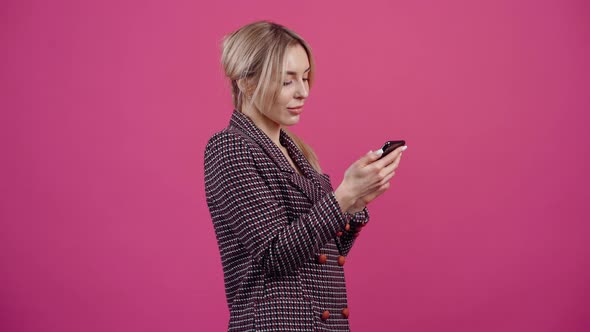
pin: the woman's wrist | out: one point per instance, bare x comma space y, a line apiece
344, 199
358, 206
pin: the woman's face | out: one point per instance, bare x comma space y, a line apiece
288, 106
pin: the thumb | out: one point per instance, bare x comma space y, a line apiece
371, 156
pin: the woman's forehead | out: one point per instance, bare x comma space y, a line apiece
296, 60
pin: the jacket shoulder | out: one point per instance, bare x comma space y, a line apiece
229, 144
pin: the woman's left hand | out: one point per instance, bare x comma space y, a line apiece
360, 203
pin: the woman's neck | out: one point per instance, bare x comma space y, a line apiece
269, 127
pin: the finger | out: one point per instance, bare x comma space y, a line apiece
374, 194
385, 174
384, 187
397, 153
395, 163
369, 197
370, 157
387, 178
380, 183
391, 167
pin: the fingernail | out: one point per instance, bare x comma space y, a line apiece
380, 151
404, 148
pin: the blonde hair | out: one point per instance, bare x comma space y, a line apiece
255, 55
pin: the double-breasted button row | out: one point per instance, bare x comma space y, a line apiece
326, 314
323, 259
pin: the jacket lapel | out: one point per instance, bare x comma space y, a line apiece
309, 183
311, 176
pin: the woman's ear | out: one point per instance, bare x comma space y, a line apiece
244, 87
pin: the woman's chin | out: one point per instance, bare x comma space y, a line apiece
293, 121
290, 120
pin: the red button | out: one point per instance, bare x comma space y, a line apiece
356, 234
347, 227
339, 234
322, 259
325, 315
345, 312
341, 260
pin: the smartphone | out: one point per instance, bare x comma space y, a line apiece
389, 146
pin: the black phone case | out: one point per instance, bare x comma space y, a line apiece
389, 146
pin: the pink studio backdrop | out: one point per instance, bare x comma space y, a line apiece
107, 106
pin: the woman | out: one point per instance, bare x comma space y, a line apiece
283, 232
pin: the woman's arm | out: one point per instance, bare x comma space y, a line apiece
237, 194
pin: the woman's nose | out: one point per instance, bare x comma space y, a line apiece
302, 90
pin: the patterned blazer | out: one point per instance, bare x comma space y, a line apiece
282, 236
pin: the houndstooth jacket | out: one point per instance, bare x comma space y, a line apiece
282, 236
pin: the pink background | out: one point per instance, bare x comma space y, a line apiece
106, 108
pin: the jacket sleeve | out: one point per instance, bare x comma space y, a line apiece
240, 198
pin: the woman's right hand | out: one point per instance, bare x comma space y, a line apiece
366, 179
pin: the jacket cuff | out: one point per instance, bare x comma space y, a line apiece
358, 219
361, 216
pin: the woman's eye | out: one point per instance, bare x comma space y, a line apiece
287, 83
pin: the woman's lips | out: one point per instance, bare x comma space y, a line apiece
296, 110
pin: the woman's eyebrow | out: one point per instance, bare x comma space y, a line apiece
295, 73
